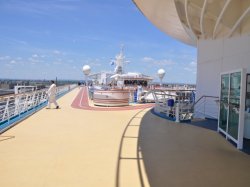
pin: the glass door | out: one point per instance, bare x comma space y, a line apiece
234, 104
224, 95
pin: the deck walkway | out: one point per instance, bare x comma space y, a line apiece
74, 147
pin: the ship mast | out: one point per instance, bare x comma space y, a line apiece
119, 62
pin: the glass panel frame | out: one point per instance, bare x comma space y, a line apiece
224, 95
236, 106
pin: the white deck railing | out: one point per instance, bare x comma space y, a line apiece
16, 107
182, 107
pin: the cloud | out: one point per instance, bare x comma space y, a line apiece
57, 63
164, 62
92, 62
13, 62
12, 40
147, 59
4, 57
35, 56
96, 63
57, 52
70, 61
34, 59
193, 63
191, 67
161, 62
47, 8
8, 65
188, 69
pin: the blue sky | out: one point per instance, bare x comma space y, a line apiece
44, 39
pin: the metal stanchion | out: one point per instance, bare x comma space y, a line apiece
177, 116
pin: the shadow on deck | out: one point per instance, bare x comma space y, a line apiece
212, 124
205, 123
184, 155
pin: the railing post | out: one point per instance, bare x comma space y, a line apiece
6, 110
33, 101
177, 113
205, 100
17, 107
41, 98
26, 103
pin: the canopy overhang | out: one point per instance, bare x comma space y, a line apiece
191, 20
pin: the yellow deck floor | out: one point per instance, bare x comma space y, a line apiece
73, 147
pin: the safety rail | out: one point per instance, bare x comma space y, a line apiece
181, 110
16, 107
206, 107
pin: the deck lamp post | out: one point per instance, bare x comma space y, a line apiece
161, 74
86, 71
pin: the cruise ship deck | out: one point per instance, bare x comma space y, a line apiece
128, 148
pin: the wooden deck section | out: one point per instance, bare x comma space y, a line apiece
132, 148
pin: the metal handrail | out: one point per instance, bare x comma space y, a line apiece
204, 96
14, 107
202, 105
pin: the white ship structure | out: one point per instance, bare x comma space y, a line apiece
117, 88
123, 89
220, 31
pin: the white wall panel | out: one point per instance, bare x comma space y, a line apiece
217, 56
209, 50
235, 46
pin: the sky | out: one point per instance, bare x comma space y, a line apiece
44, 39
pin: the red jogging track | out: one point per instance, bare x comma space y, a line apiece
81, 102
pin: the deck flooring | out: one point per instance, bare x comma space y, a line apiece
72, 147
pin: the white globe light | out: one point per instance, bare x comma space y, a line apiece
86, 70
161, 73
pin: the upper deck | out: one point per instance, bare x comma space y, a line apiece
78, 147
